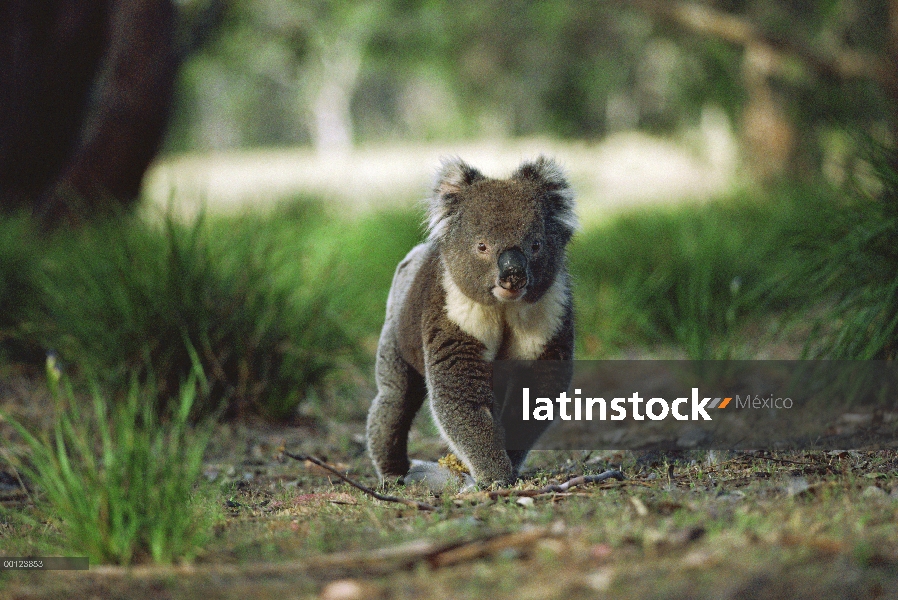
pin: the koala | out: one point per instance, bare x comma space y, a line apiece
490, 283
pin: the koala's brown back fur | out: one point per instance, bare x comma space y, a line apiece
489, 284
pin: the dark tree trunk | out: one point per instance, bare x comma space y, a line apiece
891, 76
85, 91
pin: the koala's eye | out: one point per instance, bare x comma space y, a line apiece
537, 245
481, 247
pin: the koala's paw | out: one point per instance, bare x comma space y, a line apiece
438, 479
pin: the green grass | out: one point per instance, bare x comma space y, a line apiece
692, 275
851, 258
129, 298
19, 288
733, 526
366, 254
118, 483
270, 305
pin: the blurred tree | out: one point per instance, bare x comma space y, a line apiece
338, 32
281, 72
804, 65
85, 89
277, 62
794, 75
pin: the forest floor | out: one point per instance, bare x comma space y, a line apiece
754, 525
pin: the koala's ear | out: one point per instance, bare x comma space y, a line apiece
452, 178
557, 192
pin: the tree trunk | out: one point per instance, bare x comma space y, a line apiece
768, 134
337, 76
85, 90
891, 77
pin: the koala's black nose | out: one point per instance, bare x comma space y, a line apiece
512, 269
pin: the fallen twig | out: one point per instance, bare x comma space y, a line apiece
786, 461
359, 486
479, 548
376, 561
559, 487
504, 493
434, 554
399, 556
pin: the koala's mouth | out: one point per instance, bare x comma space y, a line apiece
507, 295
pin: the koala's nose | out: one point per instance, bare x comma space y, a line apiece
512, 269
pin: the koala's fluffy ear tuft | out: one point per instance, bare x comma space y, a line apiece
454, 175
557, 192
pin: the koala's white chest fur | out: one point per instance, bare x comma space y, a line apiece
528, 326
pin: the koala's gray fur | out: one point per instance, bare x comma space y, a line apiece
450, 314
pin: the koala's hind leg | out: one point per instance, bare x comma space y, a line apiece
401, 393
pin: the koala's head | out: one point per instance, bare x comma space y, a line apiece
502, 240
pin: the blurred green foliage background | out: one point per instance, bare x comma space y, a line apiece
796, 260
794, 77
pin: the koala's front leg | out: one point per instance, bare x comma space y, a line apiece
461, 399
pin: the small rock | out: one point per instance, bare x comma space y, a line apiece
343, 589
437, 478
600, 580
797, 485
698, 558
525, 502
872, 491
600, 551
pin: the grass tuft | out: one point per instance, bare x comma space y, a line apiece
119, 482
129, 299
690, 275
852, 260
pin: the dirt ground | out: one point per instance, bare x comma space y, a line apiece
805, 525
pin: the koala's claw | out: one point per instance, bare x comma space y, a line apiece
438, 478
